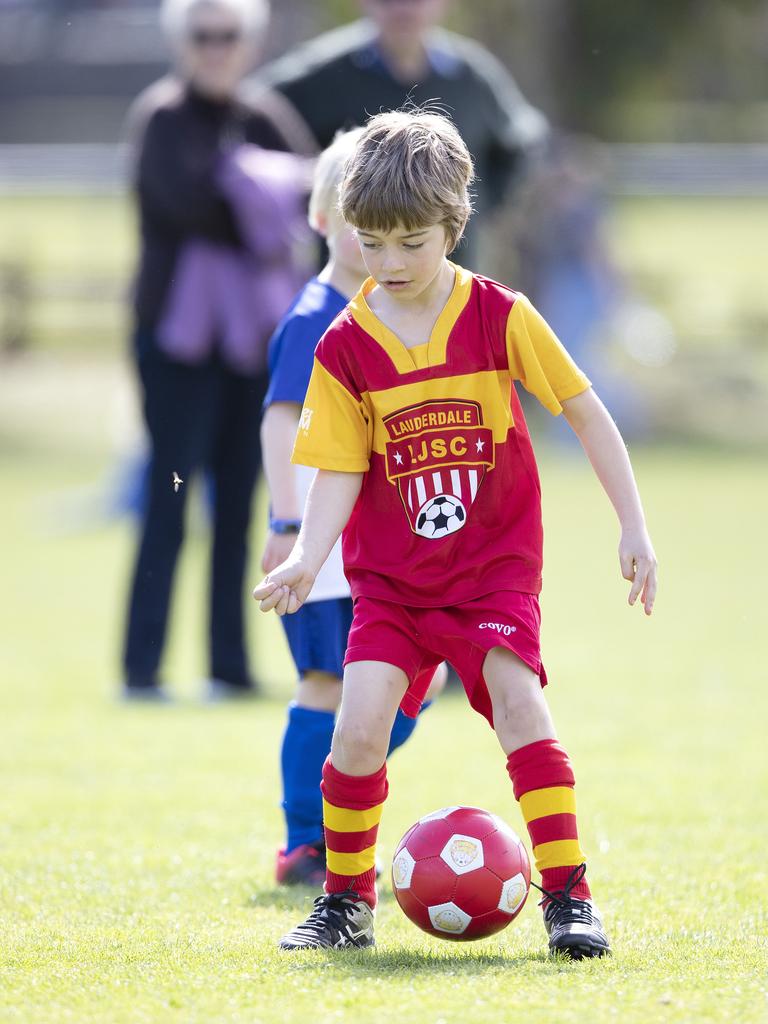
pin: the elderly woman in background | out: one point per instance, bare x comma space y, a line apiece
220, 203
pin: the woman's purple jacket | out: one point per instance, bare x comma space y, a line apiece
233, 298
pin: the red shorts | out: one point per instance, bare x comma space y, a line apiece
416, 640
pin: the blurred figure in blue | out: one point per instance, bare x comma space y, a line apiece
398, 53
220, 203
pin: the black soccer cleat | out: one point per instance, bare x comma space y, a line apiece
339, 921
574, 926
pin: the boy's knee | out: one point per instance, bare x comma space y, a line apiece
513, 685
361, 746
520, 703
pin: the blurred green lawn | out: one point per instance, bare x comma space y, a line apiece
137, 843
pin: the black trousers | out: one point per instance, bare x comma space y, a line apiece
209, 417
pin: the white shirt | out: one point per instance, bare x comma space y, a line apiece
331, 581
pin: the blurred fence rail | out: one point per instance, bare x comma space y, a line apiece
703, 169
63, 168
716, 169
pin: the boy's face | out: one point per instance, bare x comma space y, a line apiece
404, 262
343, 244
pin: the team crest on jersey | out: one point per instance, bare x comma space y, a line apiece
437, 456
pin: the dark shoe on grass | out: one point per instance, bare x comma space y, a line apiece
574, 926
338, 921
304, 865
144, 694
220, 690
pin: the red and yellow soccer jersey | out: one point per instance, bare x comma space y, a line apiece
450, 504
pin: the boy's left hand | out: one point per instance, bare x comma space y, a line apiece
638, 565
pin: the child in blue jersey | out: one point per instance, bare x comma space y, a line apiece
317, 633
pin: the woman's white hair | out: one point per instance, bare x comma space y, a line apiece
252, 14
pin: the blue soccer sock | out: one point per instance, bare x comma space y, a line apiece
306, 745
403, 727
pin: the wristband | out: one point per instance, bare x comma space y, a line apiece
284, 526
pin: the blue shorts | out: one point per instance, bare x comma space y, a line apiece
317, 635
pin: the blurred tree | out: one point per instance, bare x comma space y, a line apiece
582, 59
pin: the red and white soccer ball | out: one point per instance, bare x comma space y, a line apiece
461, 873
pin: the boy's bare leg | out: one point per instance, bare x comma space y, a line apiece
309, 730
520, 712
371, 695
439, 679
354, 790
543, 782
320, 691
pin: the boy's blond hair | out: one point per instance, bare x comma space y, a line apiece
328, 173
409, 169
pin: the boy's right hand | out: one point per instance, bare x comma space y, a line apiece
286, 588
277, 550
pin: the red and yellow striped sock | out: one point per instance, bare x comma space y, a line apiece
543, 782
352, 806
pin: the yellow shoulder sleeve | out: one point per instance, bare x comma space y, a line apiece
334, 430
538, 359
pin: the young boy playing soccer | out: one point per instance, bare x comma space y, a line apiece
425, 462
317, 633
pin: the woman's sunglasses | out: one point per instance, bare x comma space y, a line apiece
202, 37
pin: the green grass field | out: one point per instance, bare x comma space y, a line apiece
137, 843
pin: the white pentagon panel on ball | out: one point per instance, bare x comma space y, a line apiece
513, 892
402, 870
448, 918
438, 815
463, 853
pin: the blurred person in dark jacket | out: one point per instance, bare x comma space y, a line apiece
569, 271
220, 199
398, 53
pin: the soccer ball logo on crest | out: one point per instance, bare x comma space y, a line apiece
440, 516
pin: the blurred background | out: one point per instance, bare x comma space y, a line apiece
655, 177
137, 875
